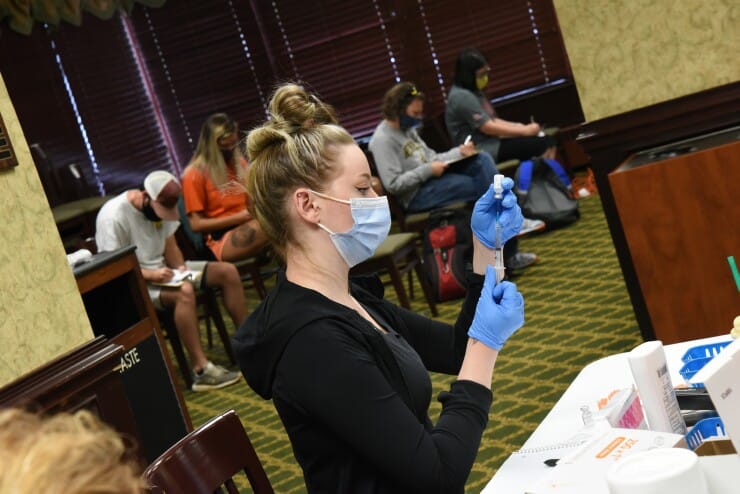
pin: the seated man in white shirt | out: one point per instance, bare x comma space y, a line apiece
148, 218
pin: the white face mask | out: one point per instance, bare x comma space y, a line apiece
372, 222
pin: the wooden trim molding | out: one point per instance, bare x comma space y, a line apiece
7, 155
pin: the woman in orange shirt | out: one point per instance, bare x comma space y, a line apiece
214, 193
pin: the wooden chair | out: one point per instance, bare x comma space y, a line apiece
397, 256
208, 458
252, 274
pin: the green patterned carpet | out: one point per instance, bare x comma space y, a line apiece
577, 311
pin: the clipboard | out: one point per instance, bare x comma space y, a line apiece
456, 162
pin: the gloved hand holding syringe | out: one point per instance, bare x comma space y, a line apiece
496, 219
498, 244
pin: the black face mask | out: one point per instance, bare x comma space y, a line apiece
228, 155
149, 213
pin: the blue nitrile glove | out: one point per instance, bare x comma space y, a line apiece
483, 222
499, 313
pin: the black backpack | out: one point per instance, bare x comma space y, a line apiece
448, 249
544, 192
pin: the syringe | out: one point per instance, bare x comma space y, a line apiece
498, 253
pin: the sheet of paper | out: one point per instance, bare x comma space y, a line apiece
180, 277
533, 464
584, 470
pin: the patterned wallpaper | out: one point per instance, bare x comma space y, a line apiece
628, 54
41, 311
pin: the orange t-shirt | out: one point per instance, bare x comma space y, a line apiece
202, 196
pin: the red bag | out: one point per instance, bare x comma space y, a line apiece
447, 249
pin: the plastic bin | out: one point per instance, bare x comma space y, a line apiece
704, 429
697, 357
690, 368
704, 351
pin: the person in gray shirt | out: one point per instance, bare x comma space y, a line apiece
422, 179
469, 112
419, 177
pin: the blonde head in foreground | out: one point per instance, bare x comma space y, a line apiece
64, 454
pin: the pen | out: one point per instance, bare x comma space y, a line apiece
467, 140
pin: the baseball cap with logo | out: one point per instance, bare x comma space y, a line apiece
164, 190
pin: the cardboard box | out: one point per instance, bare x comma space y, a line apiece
713, 447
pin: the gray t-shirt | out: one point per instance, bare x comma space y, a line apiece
464, 115
403, 160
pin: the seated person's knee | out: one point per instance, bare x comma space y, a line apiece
186, 294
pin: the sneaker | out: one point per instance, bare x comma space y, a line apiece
521, 260
529, 225
214, 377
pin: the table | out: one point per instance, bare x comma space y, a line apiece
564, 421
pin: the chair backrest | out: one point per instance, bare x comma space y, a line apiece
397, 211
73, 181
49, 178
192, 244
207, 458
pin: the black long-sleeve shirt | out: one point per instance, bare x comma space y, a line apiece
354, 400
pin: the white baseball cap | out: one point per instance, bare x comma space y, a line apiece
164, 190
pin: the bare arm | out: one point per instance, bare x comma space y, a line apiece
172, 254
160, 275
479, 359
173, 258
201, 224
503, 128
478, 363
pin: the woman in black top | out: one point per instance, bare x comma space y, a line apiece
348, 371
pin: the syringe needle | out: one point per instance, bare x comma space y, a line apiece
498, 255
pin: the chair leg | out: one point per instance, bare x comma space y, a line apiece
209, 332
397, 281
256, 277
259, 284
424, 282
411, 281
214, 312
168, 324
251, 272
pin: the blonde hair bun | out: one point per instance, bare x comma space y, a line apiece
292, 110
262, 138
293, 105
